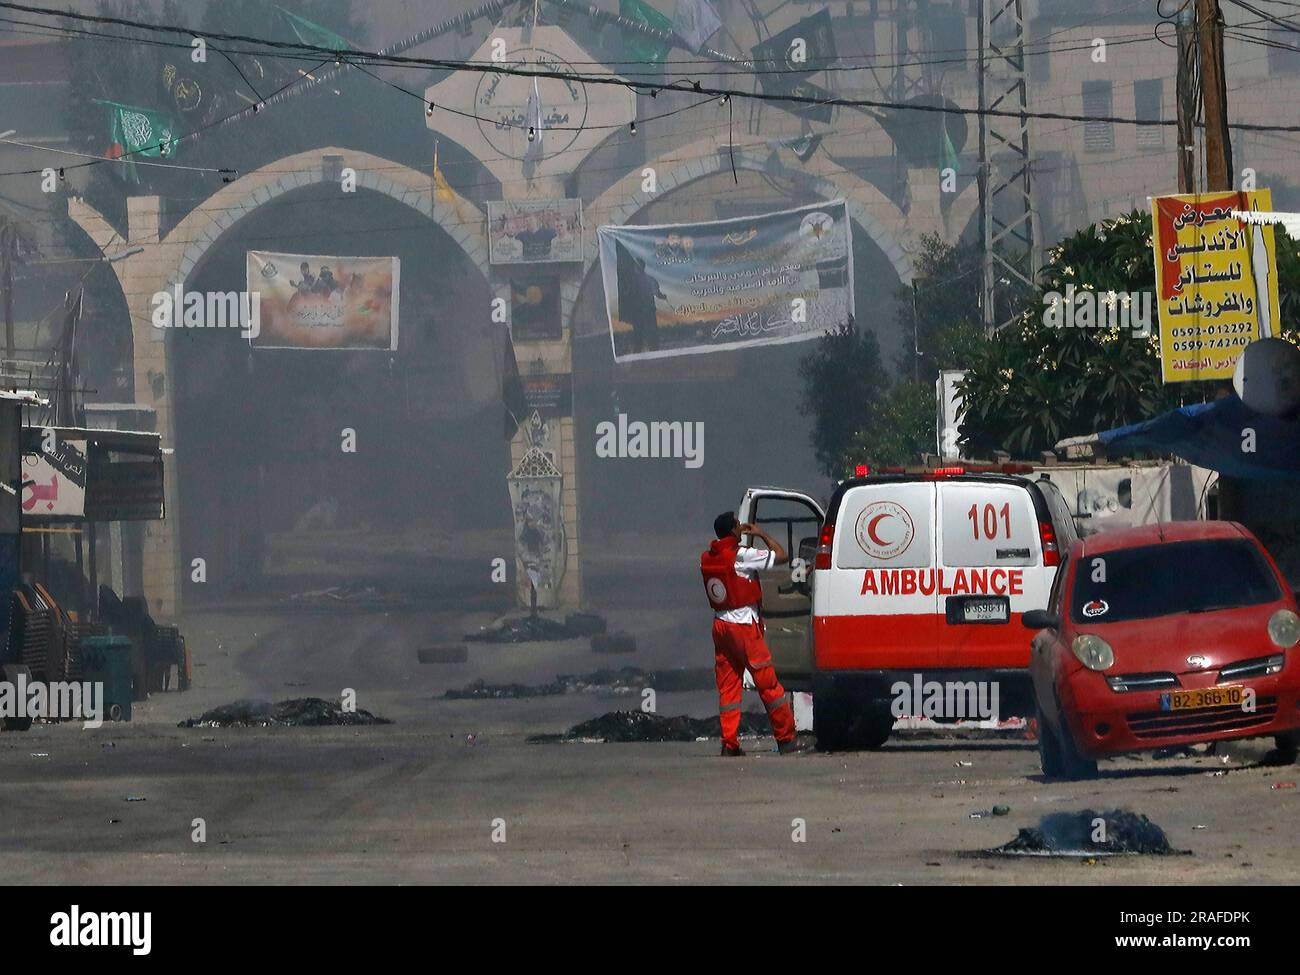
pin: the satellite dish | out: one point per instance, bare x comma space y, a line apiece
1267, 377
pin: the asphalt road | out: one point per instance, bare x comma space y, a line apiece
419, 800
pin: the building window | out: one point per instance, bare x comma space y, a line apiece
1097, 136
1281, 59
1147, 99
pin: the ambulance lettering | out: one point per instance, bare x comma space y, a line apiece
975, 582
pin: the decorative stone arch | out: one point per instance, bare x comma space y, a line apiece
884, 222
240, 198
158, 262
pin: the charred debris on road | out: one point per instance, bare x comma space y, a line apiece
634, 726
1071, 834
294, 713
614, 682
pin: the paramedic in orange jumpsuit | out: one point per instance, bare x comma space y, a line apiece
738, 641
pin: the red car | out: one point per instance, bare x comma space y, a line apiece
1164, 635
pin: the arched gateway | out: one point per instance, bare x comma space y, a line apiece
165, 260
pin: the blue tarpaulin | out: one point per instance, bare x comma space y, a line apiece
1218, 436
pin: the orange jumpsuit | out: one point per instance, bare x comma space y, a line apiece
737, 647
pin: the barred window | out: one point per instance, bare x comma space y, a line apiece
1097, 136
1147, 99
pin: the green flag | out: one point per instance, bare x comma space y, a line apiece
313, 34
947, 154
637, 46
135, 132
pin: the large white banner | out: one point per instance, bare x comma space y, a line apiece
683, 289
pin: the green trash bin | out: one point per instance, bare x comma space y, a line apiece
107, 660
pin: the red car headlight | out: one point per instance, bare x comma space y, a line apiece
1284, 628
1093, 652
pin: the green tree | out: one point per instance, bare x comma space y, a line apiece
940, 311
1032, 384
844, 385
899, 432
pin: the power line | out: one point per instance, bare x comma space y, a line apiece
99, 160
693, 87
813, 64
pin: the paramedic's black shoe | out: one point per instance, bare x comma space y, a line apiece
736, 752
793, 747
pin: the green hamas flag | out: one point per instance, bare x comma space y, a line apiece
313, 34
947, 154
138, 132
637, 46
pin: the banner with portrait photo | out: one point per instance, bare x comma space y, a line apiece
534, 231
684, 289
535, 309
310, 301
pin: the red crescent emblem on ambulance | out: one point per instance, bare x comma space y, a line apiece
871, 529
880, 540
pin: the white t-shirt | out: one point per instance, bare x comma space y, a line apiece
749, 562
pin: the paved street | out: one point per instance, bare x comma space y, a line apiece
415, 801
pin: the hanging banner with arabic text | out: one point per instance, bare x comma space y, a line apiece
683, 289
1216, 282
306, 301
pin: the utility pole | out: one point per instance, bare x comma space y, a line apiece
1186, 95
8, 254
1008, 220
1214, 96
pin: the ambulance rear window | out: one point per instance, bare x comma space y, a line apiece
988, 524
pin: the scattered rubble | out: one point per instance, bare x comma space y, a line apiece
624, 726
605, 682
347, 593
302, 711
1068, 834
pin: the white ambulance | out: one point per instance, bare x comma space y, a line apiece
910, 576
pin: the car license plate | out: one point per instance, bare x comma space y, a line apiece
1229, 695
985, 611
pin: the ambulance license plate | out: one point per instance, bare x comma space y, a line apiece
986, 611
1229, 695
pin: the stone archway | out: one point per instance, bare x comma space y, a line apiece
157, 262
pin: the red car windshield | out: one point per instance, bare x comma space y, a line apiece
1177, 577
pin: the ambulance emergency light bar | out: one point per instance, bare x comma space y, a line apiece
862, 470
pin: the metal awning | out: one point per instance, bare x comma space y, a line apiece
123, 476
